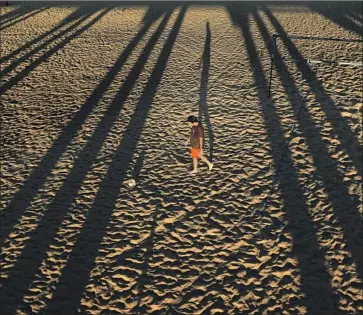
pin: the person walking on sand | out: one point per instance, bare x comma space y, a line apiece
196, 143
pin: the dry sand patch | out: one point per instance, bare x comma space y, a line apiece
94, 94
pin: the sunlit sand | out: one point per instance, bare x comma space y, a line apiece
96, 94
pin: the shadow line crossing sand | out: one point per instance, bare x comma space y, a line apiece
71, 17
44, 45
333, 12
149, 243
25, 72
340, 125
36, 180
345, 207
305, 246
143, 279
3, 27
76, 274
69, 190
13, 14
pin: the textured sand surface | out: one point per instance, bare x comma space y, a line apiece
95, 94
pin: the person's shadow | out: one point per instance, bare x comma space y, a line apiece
203, 107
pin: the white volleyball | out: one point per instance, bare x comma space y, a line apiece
130, 183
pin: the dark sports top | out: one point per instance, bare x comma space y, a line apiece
196, 133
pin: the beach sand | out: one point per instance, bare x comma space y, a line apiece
95, 94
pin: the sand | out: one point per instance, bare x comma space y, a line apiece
95, 94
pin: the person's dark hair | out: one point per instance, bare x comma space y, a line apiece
192, 119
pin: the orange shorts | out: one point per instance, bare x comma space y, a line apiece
194, 152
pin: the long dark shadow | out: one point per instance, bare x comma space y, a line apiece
334, 13
71, 17
22, 199
345, 207
340, 125
61, 204
305, 246
157, 6
25, 72
14, 14
203, 107
44, 45
76, 273
23, 18
143, 279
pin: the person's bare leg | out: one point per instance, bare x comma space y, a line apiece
204, 159
195, 166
